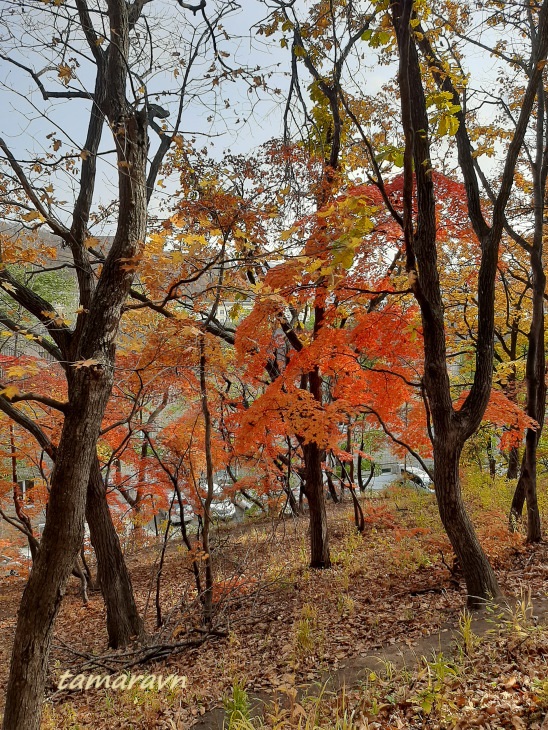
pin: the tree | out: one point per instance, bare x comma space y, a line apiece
451, 428
107, 40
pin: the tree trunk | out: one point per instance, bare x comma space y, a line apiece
513, 463
359, 519
207, 597
510, 391
59, 548
535, 373
452, 427
313, 487
518, 500
123, 620
526, 491
481, 582
17, 500
331, 487
296, 510
529, 476
89, 351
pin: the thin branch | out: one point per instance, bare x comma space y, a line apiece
57, 227
47, 95
46, 344
398, 441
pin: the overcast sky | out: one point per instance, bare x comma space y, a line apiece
230, 115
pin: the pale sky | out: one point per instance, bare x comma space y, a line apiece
210, 114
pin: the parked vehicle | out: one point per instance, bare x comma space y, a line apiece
7, 563
417, 476
409, 476
188, 514
244, 504
221, 507
382, 481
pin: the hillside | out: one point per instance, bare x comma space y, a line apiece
280, 628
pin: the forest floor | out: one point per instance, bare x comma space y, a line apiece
287, 630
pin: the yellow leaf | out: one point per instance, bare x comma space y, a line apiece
90, 362
314, 266
84, 154
10, 392
17, 371
326, 213
57, 319
33, 215
65, 73
91, 242
157, 238
285, 235
7, 286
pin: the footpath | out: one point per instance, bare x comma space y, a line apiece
354, 670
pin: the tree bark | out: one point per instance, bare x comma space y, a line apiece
535, 369
513, 463
526, 488
481, 582
59, 548
313, 487
331, 487
207, 596
123, 620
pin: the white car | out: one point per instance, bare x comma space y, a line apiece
409, 475
221, 507
188, 514
223, 510
417, 476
